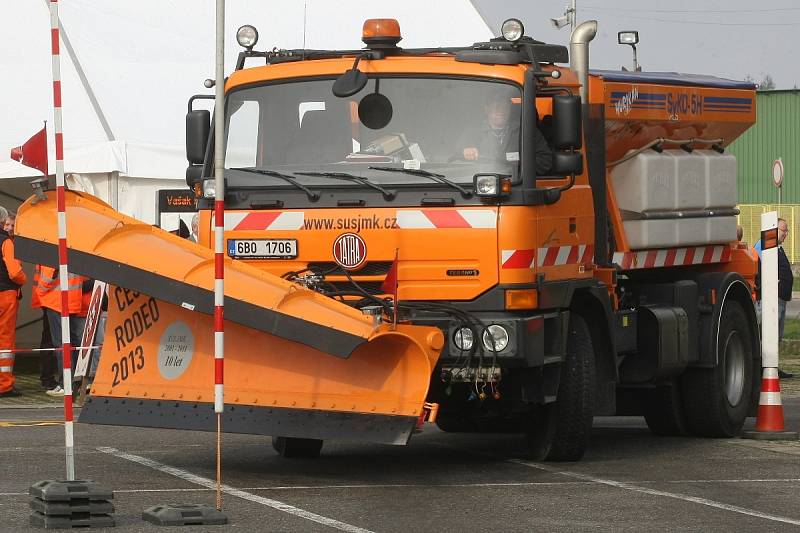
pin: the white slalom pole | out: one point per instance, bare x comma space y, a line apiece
63, 271
769, 290
219, 238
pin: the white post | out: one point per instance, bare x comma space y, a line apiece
769, 290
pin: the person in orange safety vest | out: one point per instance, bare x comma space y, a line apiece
47, 295
12, 278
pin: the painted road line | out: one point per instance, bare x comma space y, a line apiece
211, 484
30, 423
653, 492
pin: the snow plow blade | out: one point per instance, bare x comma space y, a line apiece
297, 364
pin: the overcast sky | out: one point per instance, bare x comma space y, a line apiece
727, 38
145, 58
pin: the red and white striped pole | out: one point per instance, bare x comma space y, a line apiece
219, 238
63, 272
769, 419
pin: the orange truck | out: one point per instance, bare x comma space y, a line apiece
544, 243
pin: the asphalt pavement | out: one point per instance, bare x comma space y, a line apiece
629, 480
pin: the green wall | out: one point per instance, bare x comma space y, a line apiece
776, 134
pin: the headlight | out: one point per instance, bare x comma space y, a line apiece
491, 185
512, 30
499, 335
247, 36
487, 185
209, 189
463, 339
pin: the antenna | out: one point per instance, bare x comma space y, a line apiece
305, 5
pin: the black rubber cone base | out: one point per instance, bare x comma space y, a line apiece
184, 514
72, 507
65, 491
66, 522
769, 435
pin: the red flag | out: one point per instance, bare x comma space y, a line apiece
34, 152
389, 285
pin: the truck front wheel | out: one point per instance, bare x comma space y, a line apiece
716, 400
560, 431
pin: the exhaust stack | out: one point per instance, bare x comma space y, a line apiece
579, 54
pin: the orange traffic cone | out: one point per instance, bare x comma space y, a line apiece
769, 421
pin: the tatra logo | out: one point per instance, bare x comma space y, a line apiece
349, 251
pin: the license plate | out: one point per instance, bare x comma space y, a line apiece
262, 248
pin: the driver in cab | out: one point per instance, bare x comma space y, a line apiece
499, 138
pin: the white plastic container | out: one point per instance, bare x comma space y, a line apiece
645, 234
691, 180
673, 184
720, 179
721, 229
645, 183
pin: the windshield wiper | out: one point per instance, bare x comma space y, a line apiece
427, 174
387, 194
312, 196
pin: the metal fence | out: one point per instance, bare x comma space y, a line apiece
750, 220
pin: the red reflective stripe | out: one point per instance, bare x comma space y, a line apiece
219, 317
627, 260
588, 254
62, 251
770, 385
551, 256
56, 93
708, 255
650, 260
59, 149
573, 255
520, 259
67, 408
726, 254
670, 259
219, 366
219, 261
255, 221
446, 219
688, 259
54, 48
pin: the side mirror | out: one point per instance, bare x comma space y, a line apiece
194, 174
567, 164
198, 128
566, 122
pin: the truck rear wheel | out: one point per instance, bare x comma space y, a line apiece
560, 431
717, 399
293, 447
663, 410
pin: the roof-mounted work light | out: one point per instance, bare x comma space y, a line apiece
631, 38
247, 36
512, 30
628, 37
381, 33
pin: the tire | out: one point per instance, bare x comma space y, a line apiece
663, 411
295, 448
717, 400
560, 431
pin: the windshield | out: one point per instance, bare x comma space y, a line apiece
453, 127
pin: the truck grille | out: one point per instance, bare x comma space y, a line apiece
371, 268
372, 287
